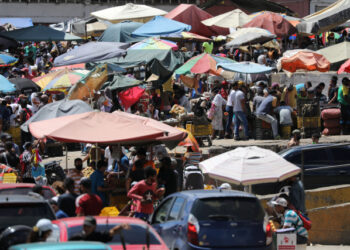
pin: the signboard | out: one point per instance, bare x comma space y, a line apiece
286, 241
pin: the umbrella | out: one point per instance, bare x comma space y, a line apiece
92, 52
63, 78
245, 67
345, 67
7, 43
6, 86
293, 20
186, 36
120, 81
203, 63
305, 60
24, 84
248, 166
154, 43
134, 12
247, 36
189, 141
274, 23
58, 109
7, 60
231, 19
121, 32
73, 66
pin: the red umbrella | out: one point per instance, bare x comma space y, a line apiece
345, 67
274, 23
305, 60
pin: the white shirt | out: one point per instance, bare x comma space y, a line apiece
219, 101
111, 157
184, 102
230, 98
238, 97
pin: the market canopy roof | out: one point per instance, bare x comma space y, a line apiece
325, 19
39, 33
192, 15
249, 35
129, 11
120, 81
245, 67
88, 27
232, 19
304, 60
121, 32
160, 26
153, 43
18, 22
336, 53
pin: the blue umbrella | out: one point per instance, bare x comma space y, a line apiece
6, 86
6, 60
245, 67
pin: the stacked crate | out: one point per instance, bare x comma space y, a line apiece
263, 130
308, 119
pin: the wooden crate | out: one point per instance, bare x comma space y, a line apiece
199, 130
309, 122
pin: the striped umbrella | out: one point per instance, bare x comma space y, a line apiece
154, 43
7, 60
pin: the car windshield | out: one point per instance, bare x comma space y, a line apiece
136, 235
24, 214
233, 208
25, 190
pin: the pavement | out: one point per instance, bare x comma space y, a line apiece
322, 247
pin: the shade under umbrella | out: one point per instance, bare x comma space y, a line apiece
248, 166
24, 84
247, 36
231, 19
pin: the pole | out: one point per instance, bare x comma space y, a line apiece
66, 158
96, 153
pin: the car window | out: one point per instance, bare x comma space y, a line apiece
176, 209
294, 157
136, 235
25, 190
162, 211
233, 208
340, 155
316, 157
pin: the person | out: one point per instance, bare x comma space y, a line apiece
167, 176
217, 105
295, 140
229, 110
58, 212
41, 231
38, 189
152, 112
9, 157
239, 112
333, 91
291, 220
264, 110
344, 100
285, 114
66, 201
318, 93
26, 159
297, 194
25, 115
38, 173
224, 91
136, 174
98, 184
315, 138
191, 157
208, 47
87, 203
76, 174
145, 192
289, 96
257, 100
89, 232
225, 186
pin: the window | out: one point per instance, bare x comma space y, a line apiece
162, 211
294, 158
316, 157
340, 155
176, 209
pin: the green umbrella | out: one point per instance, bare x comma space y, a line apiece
120, 81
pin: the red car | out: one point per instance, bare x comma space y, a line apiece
135, 238
25, 188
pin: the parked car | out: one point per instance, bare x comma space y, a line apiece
23, 210
73, 245
25, 188
211, 219
138, 236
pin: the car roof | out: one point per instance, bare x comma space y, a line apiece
319, 145
91, 245
200, 194
18, 185
18, 198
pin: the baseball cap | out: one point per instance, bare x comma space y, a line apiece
89, 221
280, 202
225, 186
44, 225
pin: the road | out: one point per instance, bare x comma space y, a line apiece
319, 247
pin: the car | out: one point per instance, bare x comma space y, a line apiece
137, 237
73, 245
23, 210
212, 219
25, 188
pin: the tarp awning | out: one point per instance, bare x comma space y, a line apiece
336, 53
121, 32
18, 22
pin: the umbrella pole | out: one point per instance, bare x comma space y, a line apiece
66, 158
96, 153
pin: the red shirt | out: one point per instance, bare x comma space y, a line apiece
88, 204
143, 190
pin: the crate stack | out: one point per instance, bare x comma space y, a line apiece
308, 119
331, 121
263, 130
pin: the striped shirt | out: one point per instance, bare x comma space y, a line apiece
76, 176
193, 158
291, 219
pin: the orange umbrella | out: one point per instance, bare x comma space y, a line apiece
306, 60
189, 141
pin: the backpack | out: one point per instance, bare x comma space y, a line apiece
306, 221
192, 178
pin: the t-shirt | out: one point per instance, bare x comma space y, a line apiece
299, 87
38, 171
238, 97
265, 106
145, 191
76, 176
88, 204
66, 202
332, 92
230, 98
60, 214
97, 180
218, 101
208, 47
285, 113
257, 101
289, 97
291, 219
94, 236
341, 94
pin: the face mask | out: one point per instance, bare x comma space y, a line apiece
79, 167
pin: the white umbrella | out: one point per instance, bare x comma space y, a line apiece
248, 166
231, 19
134, 12
246, 36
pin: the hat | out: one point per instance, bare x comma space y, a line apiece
89, 221
280, 202
225, 186
44, 225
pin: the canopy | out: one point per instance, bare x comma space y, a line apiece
274, 23
120, 81
344, 68
203, 63
336, 53
5, 85
304, 60
185, 36
19, 23
246, 36
192, 15
129, 11
154, 44
92, 52
121, 32
7, 43
39, 33
23, 85
293, 20
232, 19
245, 67
129, 97
57, 109
88, 27
325, 19
248, 166
160, 26
7, 60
